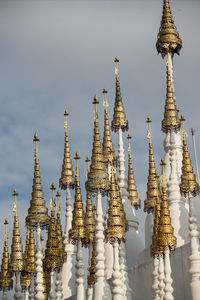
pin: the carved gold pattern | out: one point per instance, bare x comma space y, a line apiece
89, 219
61, 246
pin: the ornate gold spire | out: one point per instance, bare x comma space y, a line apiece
108, 148
116, 226
37, 213
97, 176
17, 256
45, 276
132, 188
189, 184
171, 119
25, 277
89, 219
92, 269
168, 40
61, 245
67, 175
119, 116
52, 259
5, 275
152, 184
165, 235
78, 230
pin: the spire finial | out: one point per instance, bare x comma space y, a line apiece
6, 230
77, 173
88, 166
95, 102
184, 134
66, 114
164, 180
149, 133
58, 209
105, 100
116, 66
168, 40
52, 201
129, 137
15, 207
36, 140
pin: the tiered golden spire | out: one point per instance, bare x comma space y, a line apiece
89, 219
37, 213
116, 222
97, 176
67, 175
25, 276
189, 184
78, 230
52, 255
17, 256
152, 184
132, 188
45, 276
168, 40
108, 148
31, 251
92, 269
165, 235
119, 116
5, 275
171, 119
61, 245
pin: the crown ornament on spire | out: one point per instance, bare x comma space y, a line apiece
108, 148
165, 235
152, 184
132, 188
78, 230
119, 116
17, 256
189, 184
67, 175
97, 176
5, 275
37, 213
168, 40
171, 119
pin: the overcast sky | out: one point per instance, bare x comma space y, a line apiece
58, 54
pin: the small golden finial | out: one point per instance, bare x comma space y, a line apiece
105, 100
6, 230
66, 114
184, 133
95, 102
77, 173
116, 66
149, 134
36, 140
52, 201
88, 166
164, 179
58, 209
15, 208
129, 137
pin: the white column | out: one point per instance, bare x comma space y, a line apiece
80, 292
58, 284
4, 297
68, 269
134, 244
52, 295
39, 280
26, 294
168, 279
18, 290
90, 293
195, 254
161, 277
178, 212
124, 273
32, 288
155, 286
100, 251
117, 291
166, 145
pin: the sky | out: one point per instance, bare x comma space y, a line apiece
56, 55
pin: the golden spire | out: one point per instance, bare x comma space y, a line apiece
37, 213
116, 226
89, 219
31, 251
97, 176
152, 184
171, 119
61, 245
165, 235
108, 148
168, 40
119, 116
25, 277
45, 277
17, 256
78, 230
88, 166
51, 260
132, 188
92, 269
189, 184
5, 275
67, 175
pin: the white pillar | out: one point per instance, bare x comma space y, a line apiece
68, 269
32, 287
26, 294
155, 286
168, 279
80, 292
18, 290
178, 212
134, 245
117, 291
5, 291
58, 284
161, 277
195, 254
90, 293
39, 280
52, 295
100, 251
124, 273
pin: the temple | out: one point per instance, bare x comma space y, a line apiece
99, 255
